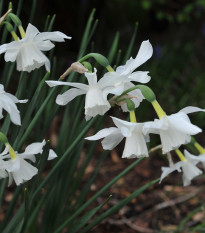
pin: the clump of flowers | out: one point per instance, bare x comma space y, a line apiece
121, 84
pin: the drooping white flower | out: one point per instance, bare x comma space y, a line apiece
27, 51
195, 158
174, 130
19, 169
96, 92
135, 145
122, 78
8, 103
189, 168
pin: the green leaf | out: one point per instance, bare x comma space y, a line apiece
85, 218
115, 208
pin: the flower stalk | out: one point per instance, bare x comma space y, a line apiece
180, 155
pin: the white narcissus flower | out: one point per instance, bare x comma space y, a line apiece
19, 169
174, 130
189, 168
96, 92
135, 145
8, 103
195, 159
122, 78
27, 51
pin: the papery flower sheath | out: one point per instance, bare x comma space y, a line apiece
174, 130
122, 78
19, 169
8, 103
96, 92
188, 166
135, 144
27, 51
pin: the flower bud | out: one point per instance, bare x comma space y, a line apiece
103, 61
130, 105
147, 93
15, 19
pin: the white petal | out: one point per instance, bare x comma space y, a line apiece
194, 158
35, 148
6, 150
189, 172
125, 126
140, 76
136, 93
25, 173
3, 48
45, 45
191, 109
112, 140
12, 165
135, 146
145, 52
31, 32
69, 95
103, 133
14, 99
31, 157
91, 77
3, 173
59, 83
182, 123
54, 36
112, 79
95, 103
11, 55
172, 139
52, 155
167, 170
10, 179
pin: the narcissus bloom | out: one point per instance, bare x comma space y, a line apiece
188, 166
96, 92
18, 168
124, 75
135, 145
174, 130
27, 51
8, 103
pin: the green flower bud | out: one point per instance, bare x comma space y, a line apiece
130, 105
147, 93
87, 65
15, 19
9, 27
103, 61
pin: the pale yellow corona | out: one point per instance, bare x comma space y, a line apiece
180, 155
160, 112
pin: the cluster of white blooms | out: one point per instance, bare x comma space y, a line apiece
27, 52
174, 130
15, 166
